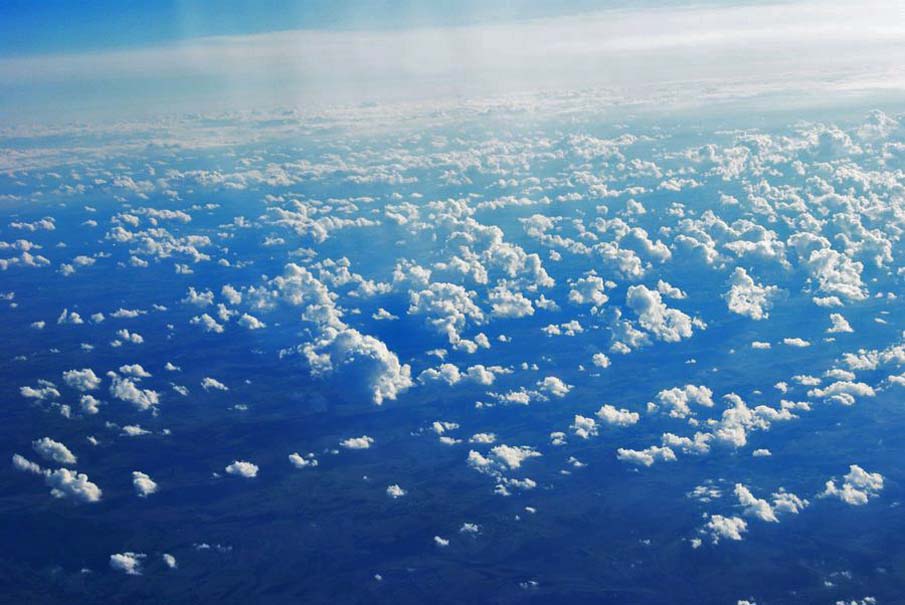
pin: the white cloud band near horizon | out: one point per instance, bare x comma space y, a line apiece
776, 47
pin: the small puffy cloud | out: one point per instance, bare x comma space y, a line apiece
796, 342
583, 426
357, 443
199, 299
135, 370
82, 380
53, 451
514, 456
382, 314
299, 461
670, 291
232, 296
251, 322
677, 399
207, 323
208, 383
668, 325
484, 438
127, 562
857, 488
169, 560
451, 374
134, 430
44, 390
70, 318
143, 484
241, 468
126, 389
124, 335
552, 385
783, 503
729, 528
647, 456
441, 542
843, 391
617, 417
748, 298
359, 356
394, 491
508, 304
65, 483
840, 324
600, 360
588, 290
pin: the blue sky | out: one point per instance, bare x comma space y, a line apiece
61, 26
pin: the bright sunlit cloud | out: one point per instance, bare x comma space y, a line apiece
775, 47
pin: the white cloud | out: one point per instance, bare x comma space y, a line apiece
677, 399
241, 468
362, 356
53, 451
251, 322
858, 486
208, 383
126, 389
357, 443
645, 457
840, 324
143, 484
668, 325
394, 491
513, 456
299, 461
83, 380
617, 417
127, 562
729, 528
748, 298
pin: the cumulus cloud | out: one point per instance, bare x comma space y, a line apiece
676, 400
617, 417
208, 384
857, 487
54, 451
127, 562
82, 380
241, 468
394, 491
251, 322
127, 389
668, 325
143, 484
748, 298
299, 461
647, 456
725, 528
63, 483
361, 356
513, 456
357, 443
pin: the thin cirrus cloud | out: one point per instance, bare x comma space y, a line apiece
773, 48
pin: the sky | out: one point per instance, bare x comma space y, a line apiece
521, 302
137, 59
